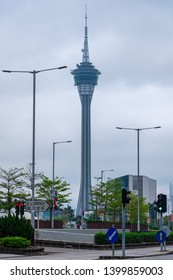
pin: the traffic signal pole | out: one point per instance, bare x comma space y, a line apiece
123, 231
125, 200
161, 207
161, 244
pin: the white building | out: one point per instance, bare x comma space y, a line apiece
146, 186
170, 199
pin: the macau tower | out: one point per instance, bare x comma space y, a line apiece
85, 78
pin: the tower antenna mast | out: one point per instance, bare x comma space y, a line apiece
86, 48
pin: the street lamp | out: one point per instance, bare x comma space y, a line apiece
34, 72
138, 173
53, 176
102, 171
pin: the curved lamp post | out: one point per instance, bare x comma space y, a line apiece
138, 173
33, 72
102, 171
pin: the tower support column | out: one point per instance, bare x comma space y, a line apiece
85, 153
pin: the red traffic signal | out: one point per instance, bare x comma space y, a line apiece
22, 210
55, 203
17, 208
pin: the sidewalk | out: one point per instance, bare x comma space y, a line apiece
139, 252
55, 253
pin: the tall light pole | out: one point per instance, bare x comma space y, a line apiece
33, 72
102, 171
138, 164
53, 177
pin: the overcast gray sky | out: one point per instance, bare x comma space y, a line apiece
131, 43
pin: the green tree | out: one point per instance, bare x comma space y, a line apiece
11, 188
96, 201
114, 206
68, 214
107, 204
28, 178
106, 199
43, 190
132, 209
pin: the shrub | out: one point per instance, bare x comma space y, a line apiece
13, 226
14, 242
100, 238
148, 236
131, 237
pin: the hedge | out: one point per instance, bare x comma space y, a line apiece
13, 226
14, 242
131, 237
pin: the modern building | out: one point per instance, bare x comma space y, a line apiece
170, 199
85, 77
146, 186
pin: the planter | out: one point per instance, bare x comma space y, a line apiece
32, 250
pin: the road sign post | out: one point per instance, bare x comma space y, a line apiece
167, 231
39, 205
112, 237
161, 237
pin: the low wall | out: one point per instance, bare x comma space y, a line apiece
47, 224
106, 225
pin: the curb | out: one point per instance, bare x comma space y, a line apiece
92, 246
132, 257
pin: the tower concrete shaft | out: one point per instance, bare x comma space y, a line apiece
85, 77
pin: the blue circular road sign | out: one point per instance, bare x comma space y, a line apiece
160, 236
112, 235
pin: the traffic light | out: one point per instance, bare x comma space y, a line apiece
22, 208
55, 200
55, 203
17, 208
125, 198
156, 205
162, 203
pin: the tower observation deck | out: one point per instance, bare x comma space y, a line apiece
85, 77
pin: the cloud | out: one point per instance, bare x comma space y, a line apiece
130, 42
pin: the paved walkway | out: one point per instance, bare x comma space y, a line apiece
55, 253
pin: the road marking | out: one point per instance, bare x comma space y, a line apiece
161, 235
111, 236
